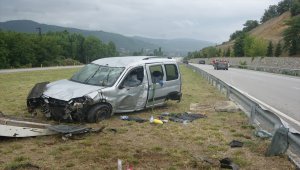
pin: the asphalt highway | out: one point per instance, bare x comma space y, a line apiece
278, 91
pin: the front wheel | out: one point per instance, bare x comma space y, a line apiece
98, 112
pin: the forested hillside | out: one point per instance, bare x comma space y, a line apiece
122, 42
53, 48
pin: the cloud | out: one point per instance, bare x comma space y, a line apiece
211, 20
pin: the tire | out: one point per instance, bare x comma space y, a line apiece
98, 112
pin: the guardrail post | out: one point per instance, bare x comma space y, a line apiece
227, 92
253, 113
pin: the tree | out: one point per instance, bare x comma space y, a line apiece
209, 52
112, 50
228, 53
270, 49
271, 12
283, 6
249, 25
158, 52
295, 7
92, 49
278, 50
254, 46
236, 34
219, 54
291, 36
238, 46
4, 53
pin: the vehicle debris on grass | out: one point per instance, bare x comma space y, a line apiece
131, 118
263, 134
229, 164
185, 117
236, 143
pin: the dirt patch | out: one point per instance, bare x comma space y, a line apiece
226, 106
199, 107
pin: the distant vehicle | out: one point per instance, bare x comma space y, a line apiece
201, 62
107, 86
185, 62
221, 65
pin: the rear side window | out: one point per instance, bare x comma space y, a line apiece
157, 73
171, 71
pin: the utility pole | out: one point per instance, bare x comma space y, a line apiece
40, 31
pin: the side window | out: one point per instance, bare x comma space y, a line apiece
157, 73
134, 78
171, 71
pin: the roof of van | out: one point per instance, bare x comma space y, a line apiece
131, 60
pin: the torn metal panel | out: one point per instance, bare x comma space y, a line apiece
17, 128
15, 131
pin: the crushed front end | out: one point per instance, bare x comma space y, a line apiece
59, 110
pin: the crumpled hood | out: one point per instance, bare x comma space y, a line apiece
66, 89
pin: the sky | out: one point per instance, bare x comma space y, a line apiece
209, 20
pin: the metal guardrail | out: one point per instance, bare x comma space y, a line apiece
264, 118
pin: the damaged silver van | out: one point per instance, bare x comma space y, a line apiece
107, 86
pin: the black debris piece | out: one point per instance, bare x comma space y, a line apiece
161, 117
112, 130
236, 143
228, 164
174, 119
185, 117
69, 129
136, 119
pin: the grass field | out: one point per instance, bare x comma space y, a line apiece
196, 145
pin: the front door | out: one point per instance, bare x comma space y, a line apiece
132, 92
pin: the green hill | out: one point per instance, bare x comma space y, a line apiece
124, 44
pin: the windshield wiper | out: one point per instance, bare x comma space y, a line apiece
106, 78
88, 79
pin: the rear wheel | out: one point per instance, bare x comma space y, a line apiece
98, 112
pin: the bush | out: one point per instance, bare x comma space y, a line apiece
243, 64
68, 62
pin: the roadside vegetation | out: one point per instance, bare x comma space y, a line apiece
196, 145
50, 49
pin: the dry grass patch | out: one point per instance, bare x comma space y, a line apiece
196, 145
